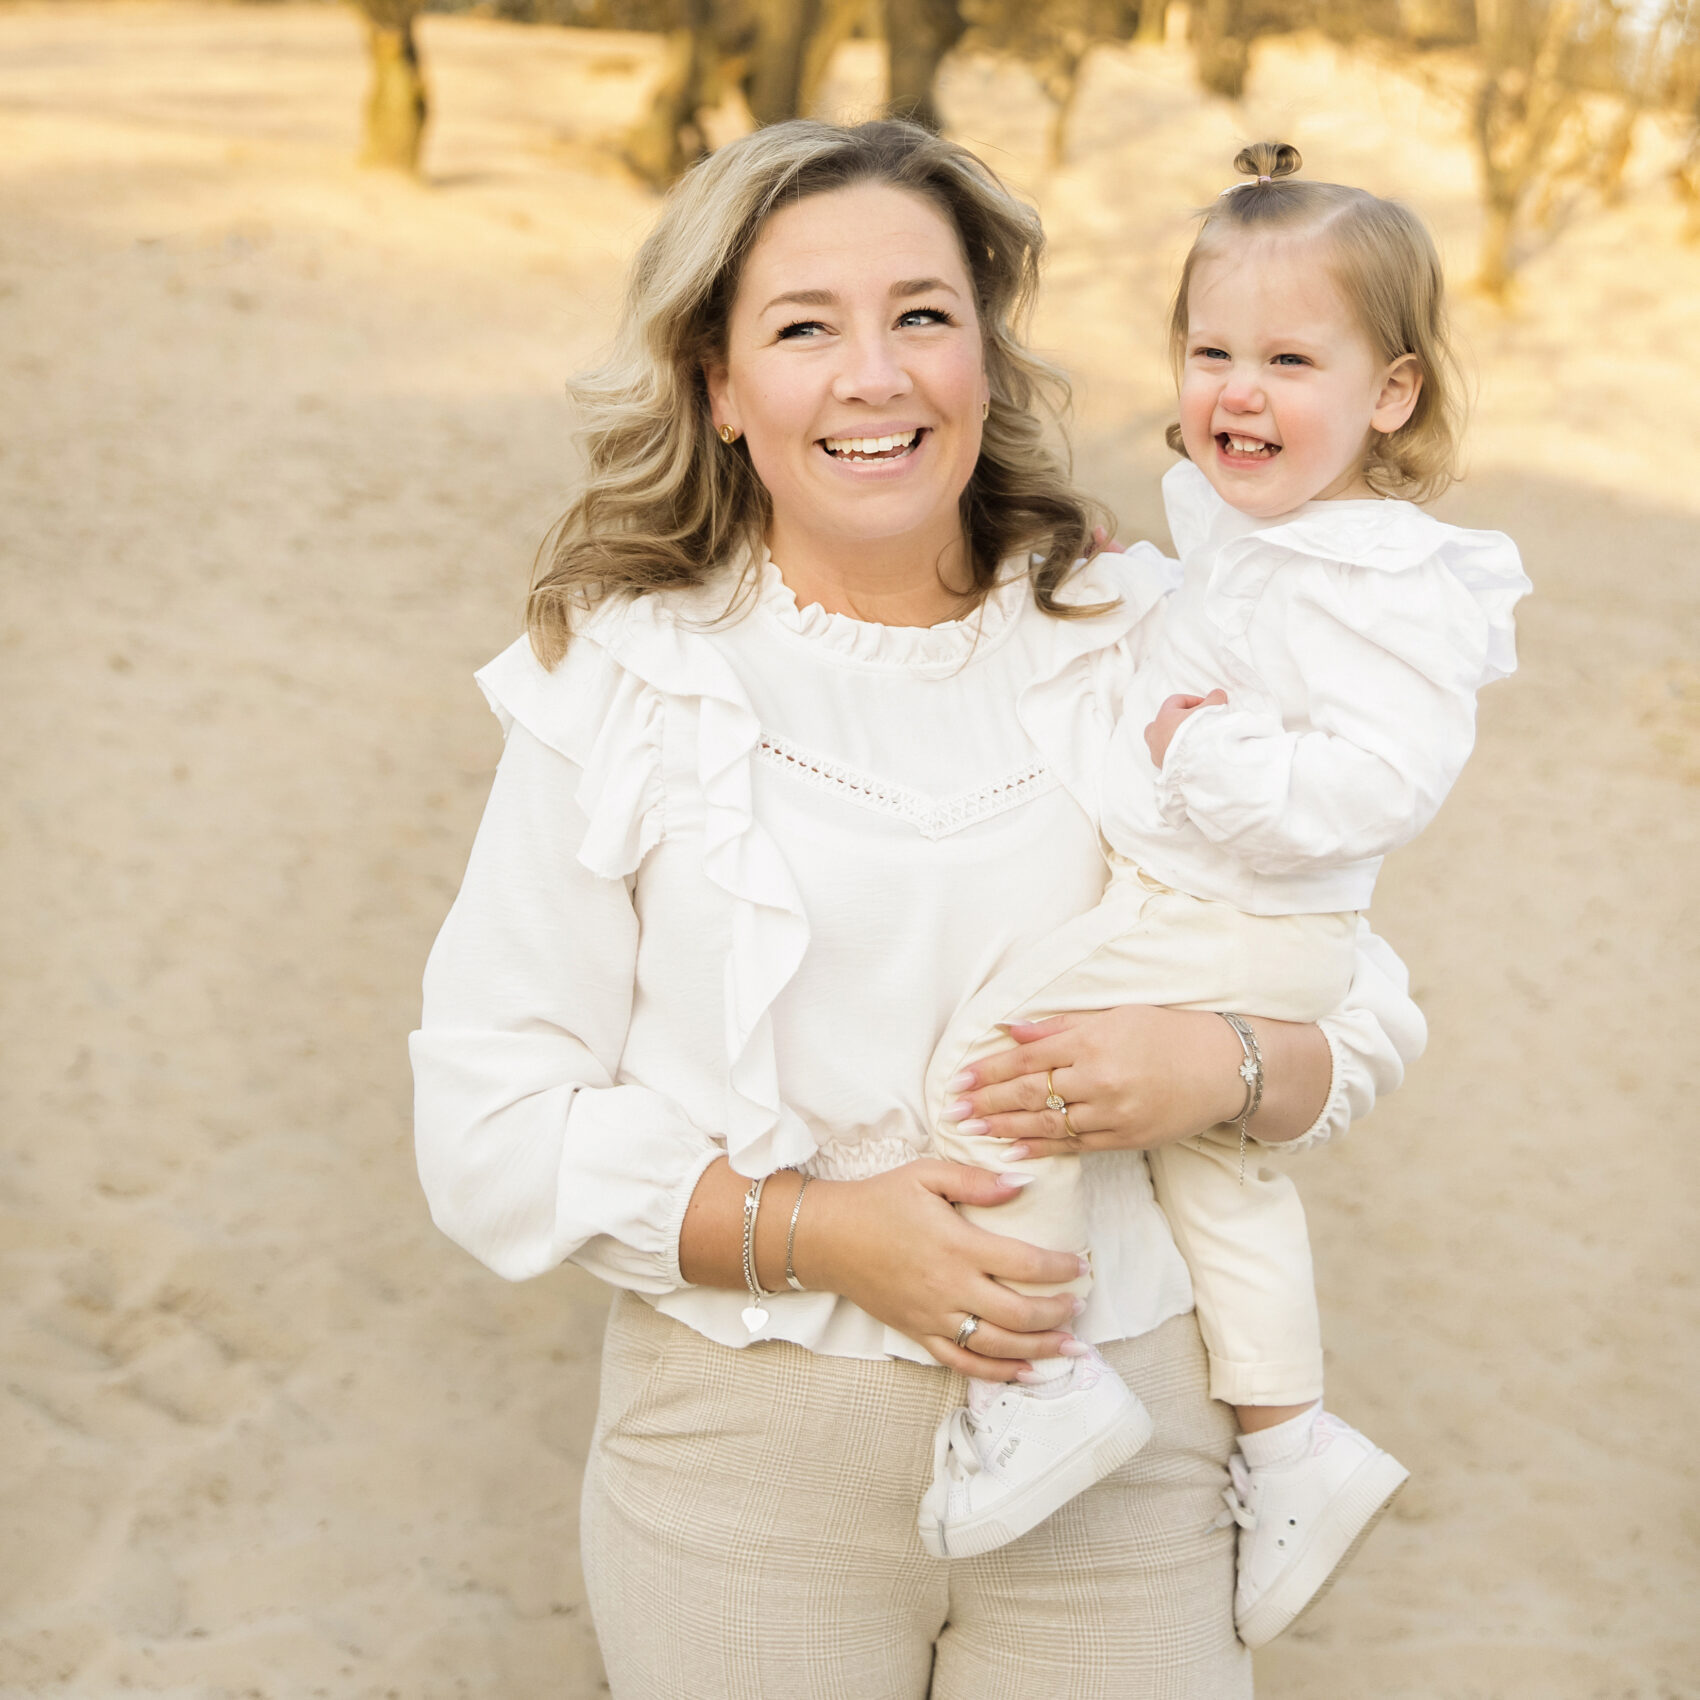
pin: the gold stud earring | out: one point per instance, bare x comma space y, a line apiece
728, 434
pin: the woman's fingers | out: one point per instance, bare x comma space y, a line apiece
1039, 1046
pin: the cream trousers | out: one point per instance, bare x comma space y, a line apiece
1244, 1241
749, 1534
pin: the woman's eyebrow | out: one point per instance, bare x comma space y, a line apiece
803, 298
899, 291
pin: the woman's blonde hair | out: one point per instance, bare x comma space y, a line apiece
1386, 265
665, 503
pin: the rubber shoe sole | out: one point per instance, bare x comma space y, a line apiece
1072, 1474
1353, 1515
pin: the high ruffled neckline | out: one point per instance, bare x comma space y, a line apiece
945, 646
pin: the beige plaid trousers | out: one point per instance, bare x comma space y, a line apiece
749, 1534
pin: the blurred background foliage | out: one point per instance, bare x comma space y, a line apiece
1550, 92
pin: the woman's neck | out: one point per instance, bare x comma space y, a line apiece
887, 583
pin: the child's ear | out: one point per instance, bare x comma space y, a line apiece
1400, 387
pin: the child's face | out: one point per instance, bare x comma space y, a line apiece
1281, 388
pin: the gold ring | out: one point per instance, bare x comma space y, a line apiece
1054, 1100
970, 1325
1073, 1131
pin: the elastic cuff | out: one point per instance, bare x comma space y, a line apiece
1171, 776
681, 1203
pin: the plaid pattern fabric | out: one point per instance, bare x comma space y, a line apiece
749, 1534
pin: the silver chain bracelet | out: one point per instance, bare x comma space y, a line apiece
755, 1312
1250, 1071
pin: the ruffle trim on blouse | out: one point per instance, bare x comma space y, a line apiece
916, 649
605, 708
1378, 536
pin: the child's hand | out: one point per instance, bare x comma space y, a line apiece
1104, 544
1160, 733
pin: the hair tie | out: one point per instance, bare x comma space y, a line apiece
1262, 179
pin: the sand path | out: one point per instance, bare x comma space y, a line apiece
279, 440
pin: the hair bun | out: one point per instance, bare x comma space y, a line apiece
1267, 161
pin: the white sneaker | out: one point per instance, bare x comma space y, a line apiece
1003, 1469
1300, 1522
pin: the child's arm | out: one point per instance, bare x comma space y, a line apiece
1391, 663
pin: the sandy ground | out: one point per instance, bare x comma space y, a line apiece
279, 440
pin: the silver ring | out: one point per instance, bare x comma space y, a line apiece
966, 1332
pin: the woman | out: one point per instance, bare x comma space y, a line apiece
802, 745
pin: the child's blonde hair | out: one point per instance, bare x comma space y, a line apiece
1385, 264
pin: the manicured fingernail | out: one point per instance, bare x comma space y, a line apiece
1085, 1266
961, 1082
1079, 1306
955, 1112
975, 1127
1027, 1377
1073, 1349
1015, 1154
1017, 1180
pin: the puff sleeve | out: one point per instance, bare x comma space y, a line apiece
1392, 662
528, 1150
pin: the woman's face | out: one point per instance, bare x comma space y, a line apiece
855, 371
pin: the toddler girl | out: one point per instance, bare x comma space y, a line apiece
1302, 703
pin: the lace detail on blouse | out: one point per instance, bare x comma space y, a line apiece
932, 817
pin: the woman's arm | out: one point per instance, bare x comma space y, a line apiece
894, 1246
1138, 1077
529, 1150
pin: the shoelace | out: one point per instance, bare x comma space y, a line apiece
962, 1456
1237, 1495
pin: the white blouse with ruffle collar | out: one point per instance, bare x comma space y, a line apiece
734, 877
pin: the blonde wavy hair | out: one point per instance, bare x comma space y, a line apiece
1386, 266
665, 503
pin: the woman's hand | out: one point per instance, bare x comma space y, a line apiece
894, 1246
1138, 1077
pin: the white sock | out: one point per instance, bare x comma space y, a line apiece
1055, 1378
1285, 1443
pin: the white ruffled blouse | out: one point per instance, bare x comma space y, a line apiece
734, 876
1351, 639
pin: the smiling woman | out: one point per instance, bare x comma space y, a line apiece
803, 745
664, 505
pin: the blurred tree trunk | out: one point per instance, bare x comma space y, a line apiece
918, 34
666, 139
1524, 102
784, 29
396, 106
1221, 50
1153, 20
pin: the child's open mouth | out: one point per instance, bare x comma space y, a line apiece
869, 449
1246, 448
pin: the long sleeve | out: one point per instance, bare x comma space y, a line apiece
1391, 664
1372, 1037
528, 1150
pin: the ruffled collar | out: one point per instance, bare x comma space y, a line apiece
941, 648
1375, 532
